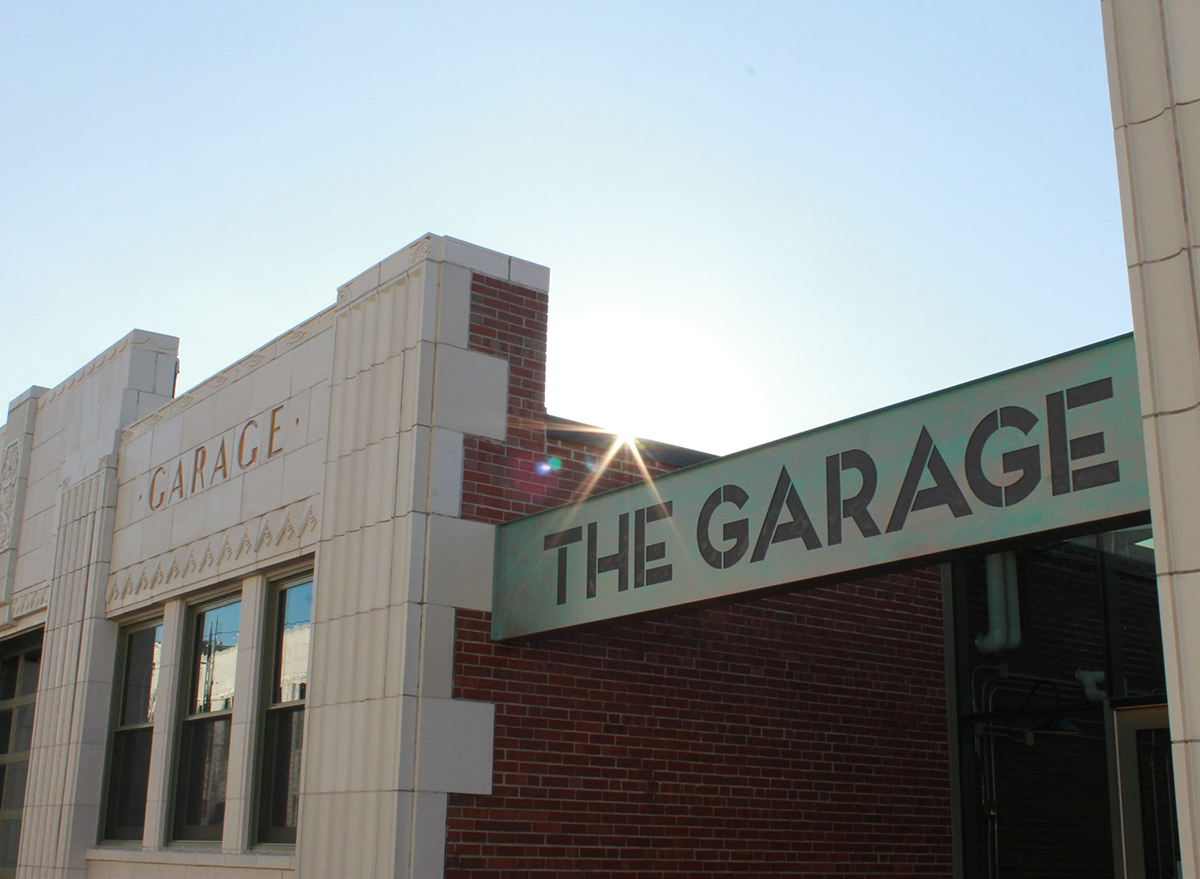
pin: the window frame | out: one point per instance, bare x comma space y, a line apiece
19, 647
185, 696
261, 832
116, 727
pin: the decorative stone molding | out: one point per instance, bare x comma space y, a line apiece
314, 326
389, 272
30, 601
236, 550
418, 251
10, 469
137, 337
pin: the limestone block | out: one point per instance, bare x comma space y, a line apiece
456, 744
1185, 758
303, 472
437, 661
412, 471
1187, 120
167, 442
1157, 188
1181, 26
1177, 439
529, 274
471, 256
459, 563
143, 369
312, 361
454, 306
403, 650
471, 392
429, 836
420, 320
416, 400
1171, 322
445, 472
1137, 38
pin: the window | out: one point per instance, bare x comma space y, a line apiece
289, 628
139, 661
18, 691
265, 745
204, 733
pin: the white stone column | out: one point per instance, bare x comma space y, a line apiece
62, 795
1153, 49
157, 830
385, 741
237, 835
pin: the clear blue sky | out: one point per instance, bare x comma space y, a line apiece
759, 217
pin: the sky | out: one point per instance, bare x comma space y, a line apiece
759, 217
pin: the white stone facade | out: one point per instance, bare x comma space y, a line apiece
1154, 82
336, 448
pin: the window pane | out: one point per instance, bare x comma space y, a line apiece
142, 657
281, 774
14, 787
23, 735
8, 677
295, 625
128, 782
10, 838
204, 762
28, 680
215, 653
5, 729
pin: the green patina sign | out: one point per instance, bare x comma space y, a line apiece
1050, 445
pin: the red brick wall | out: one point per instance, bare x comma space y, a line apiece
794, 735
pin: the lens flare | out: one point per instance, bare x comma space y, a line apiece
545, 468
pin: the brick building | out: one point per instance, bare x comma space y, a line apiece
248, 631
256, 630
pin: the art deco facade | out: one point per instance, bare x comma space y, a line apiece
247, 631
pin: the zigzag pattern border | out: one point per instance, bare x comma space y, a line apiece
260, 539
30, 601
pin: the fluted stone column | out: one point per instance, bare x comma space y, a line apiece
1153, 49
386, 742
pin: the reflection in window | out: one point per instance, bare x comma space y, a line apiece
283, 726
129, 765
216, 658
1032, 717
293, 625
204, 736
1156, 784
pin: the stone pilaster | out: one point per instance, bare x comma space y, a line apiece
1154, 82
62, 801
17, 440
385, 742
